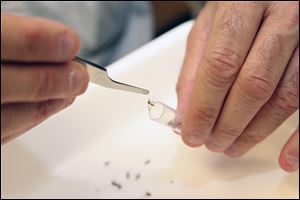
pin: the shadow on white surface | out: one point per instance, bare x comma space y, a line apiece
63, 157
31, 174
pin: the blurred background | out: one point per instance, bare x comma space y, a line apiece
110, 30
169, 14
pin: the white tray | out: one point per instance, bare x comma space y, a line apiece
64, 157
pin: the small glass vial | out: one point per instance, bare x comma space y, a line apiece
165, 115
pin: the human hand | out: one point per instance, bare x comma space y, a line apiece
240, 78
38, 76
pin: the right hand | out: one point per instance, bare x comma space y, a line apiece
38, 76
240, 78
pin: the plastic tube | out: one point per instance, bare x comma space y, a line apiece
165, 115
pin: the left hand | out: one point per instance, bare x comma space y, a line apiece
38, 74
240, 78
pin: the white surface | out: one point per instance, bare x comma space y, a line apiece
64, 157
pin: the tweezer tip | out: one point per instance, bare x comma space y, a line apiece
145, 92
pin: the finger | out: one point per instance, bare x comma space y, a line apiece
23, 83
281, 105
197, 40
289, 156
16, 118
231, 36
35, 39
257, 80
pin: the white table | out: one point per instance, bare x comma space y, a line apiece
64, 157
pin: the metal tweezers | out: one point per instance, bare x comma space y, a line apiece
100, 76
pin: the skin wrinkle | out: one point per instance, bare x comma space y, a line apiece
277, 39
287, 101
257, 91
221, 71
270, 46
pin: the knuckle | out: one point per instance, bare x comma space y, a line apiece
223, 64
205, 115
257, 84
286, 99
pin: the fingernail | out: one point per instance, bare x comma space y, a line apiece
292, 160
66, 45
75, 81
194, 139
